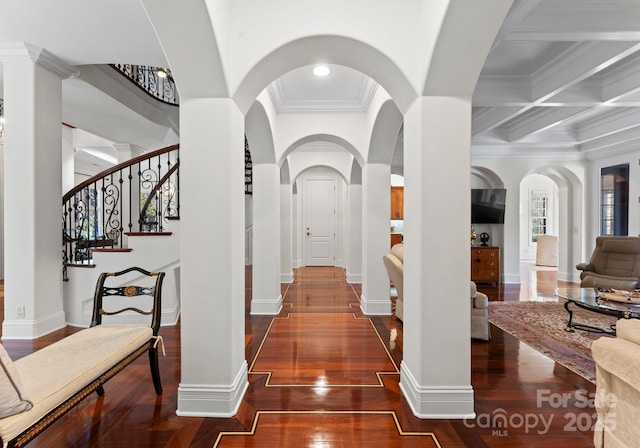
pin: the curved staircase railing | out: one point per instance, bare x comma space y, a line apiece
139, 195
155, 81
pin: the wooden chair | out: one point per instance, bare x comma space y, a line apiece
129, 291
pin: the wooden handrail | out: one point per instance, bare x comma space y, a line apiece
116, 168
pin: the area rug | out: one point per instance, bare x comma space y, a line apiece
541, 325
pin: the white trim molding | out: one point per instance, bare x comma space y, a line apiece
286, 277
436, 402
32, 329
22, 51
371, 308
209, 400
265, 307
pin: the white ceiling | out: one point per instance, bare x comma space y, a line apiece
342, 90
563, 76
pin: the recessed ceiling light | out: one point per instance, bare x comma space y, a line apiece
321, 70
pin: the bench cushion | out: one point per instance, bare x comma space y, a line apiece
55, 373
12, 397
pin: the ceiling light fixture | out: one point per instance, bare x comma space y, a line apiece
321, 70
162, 73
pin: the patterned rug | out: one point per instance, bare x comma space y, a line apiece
541, 325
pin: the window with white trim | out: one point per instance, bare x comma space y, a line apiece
539, 214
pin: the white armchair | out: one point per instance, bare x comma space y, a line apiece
394, 264
617, 398
479, 314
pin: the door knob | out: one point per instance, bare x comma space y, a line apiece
308, 233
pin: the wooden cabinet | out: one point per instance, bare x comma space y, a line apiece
396, 238
397, 202
485, 264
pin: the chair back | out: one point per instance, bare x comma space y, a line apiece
395, 270
129, 291
617, 256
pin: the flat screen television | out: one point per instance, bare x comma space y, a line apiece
487, 205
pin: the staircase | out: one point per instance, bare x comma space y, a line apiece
127, 215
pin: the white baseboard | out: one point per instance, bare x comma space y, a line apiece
213, 400
260, 307
354, 277
32, 329
511, 278
286, 277
375, 308
436, 402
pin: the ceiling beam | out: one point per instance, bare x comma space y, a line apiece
540, 121
518, 12
616, 121
579, 62
489, 118
623, 80
613, 140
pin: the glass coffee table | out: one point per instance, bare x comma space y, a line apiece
588, 299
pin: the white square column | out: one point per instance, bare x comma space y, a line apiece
376, 206
213, 368
286, 235
266, 298
354, 229
436, 370
33, 191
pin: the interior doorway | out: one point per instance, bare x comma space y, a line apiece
320, 222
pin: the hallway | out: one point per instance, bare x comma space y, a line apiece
323, 375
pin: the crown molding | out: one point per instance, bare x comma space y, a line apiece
281, 104
22, 51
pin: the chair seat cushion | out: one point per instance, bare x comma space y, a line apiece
13, 399
53, 374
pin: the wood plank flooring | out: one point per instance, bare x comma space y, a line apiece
516, 388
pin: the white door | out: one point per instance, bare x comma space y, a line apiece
319, 229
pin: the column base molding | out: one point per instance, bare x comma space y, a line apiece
353, 277
436, 402
375, 308
286, 277
209, 400
266, 307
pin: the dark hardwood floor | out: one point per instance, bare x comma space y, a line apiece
326, 376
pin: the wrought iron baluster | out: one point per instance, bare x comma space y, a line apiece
147, 78
88, 223
130, 225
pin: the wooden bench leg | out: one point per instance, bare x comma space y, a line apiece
155, 370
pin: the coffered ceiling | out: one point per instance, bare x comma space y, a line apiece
562, 76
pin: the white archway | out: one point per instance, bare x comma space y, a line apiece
570, 208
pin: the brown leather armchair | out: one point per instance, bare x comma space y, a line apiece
615, 263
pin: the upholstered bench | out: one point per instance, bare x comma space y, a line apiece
41, 387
